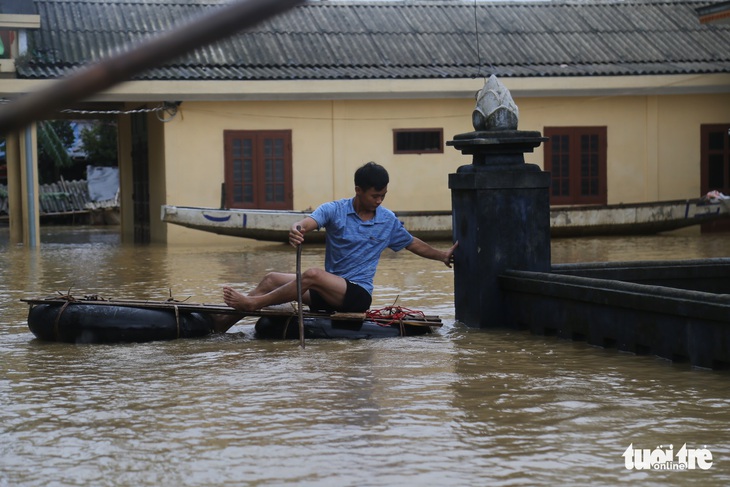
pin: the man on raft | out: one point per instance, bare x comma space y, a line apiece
358, 231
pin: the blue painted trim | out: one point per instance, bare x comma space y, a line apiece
217, 218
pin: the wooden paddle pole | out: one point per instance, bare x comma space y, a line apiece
300, 311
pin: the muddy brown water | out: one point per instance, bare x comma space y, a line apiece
460, 407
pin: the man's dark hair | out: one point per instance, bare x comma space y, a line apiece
371, 175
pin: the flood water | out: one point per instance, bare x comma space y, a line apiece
462, 407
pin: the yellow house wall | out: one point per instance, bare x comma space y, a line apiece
16, 208
159, 168
653, 146
624, 119
653, 141
330, 140
194, 153
679, 120
417, 181
124, 141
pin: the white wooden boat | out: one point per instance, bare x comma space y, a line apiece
634, 219
569, 221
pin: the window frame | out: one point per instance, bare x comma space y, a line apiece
258, 169
440, 132
708, 156
575, 155
707, 153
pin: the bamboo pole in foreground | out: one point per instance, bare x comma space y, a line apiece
106, 73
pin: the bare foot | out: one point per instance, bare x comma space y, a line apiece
238, 301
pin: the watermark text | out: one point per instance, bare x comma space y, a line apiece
663, 457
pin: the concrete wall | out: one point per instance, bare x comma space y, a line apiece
606, 306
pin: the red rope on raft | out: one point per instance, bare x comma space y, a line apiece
390, 315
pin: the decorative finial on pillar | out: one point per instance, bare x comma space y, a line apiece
495, 109
496, 142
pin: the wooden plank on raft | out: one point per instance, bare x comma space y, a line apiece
408, 320
281, 310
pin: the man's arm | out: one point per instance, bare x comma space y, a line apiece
421, 248
298, 229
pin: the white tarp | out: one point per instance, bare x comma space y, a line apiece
103, 182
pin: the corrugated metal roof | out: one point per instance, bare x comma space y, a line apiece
390, 40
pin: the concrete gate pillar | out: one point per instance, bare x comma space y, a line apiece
501, 208
23, 201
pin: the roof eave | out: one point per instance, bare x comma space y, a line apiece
155, 91
717, 13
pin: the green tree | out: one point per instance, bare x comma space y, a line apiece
100, 143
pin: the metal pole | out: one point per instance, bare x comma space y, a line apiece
30, 189
106, 73
300, 311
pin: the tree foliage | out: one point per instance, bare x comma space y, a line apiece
55, 137
100, 143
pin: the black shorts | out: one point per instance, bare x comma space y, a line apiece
357, 300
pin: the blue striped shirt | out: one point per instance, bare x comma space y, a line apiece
354, 246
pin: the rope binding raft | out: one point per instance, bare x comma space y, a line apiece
390, 315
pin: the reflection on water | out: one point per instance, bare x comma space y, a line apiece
461, 407
669, 246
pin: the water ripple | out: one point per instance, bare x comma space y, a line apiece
460, 407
